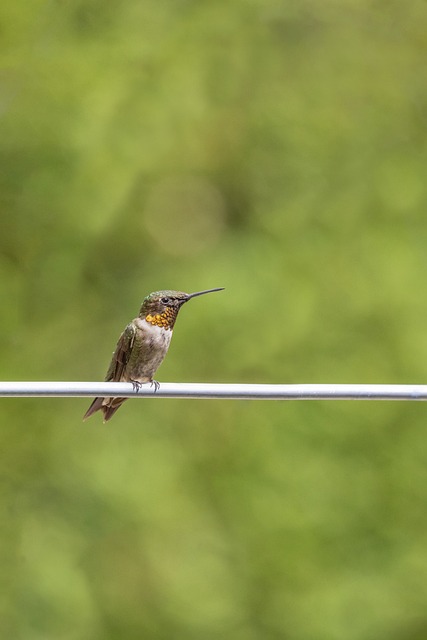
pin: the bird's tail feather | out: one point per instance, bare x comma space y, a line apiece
95, 406
108, 406
111, 408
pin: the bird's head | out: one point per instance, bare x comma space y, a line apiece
160, 308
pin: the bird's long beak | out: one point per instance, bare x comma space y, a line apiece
202, 293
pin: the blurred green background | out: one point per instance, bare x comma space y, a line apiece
274, 148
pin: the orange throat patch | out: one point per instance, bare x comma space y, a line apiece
166, 320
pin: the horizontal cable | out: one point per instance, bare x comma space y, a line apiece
218, 391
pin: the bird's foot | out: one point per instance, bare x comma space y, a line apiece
136, 385
156, 385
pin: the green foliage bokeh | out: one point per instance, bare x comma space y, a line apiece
277, 149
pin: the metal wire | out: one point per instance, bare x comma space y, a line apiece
218, 391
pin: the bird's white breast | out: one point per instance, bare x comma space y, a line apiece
157, 336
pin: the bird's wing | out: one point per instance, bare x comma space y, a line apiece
121, 354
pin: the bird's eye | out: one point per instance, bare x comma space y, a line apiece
165, 300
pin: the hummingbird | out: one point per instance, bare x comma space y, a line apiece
143, 345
